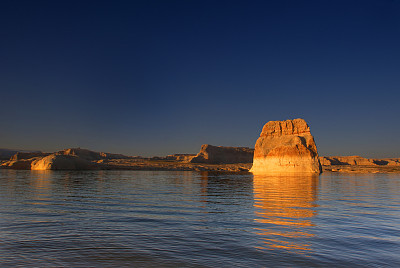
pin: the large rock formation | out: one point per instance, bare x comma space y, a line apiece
223, 155
286, 147
62, 162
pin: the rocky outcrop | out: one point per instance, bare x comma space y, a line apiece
24, 155
286, 147
91, 155
387, 162
81, 153
223, 155
24, 164
68, 159
180, 157
62, 162
345, 160
357, 161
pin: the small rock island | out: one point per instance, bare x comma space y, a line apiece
286, 147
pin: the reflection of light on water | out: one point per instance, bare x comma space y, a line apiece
42, 180
41, 183
285, 206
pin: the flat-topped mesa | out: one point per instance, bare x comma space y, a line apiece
286, 147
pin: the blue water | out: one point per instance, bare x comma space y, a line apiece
191, 219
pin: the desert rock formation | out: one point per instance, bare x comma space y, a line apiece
91, 155
180, 157
387, 161
346, 160
357, 161
286, 147
24, 164
61, 162
223, 155
68, 159
82, 159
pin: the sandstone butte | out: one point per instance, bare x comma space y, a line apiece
286, 147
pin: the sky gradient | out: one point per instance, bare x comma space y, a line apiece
162, 77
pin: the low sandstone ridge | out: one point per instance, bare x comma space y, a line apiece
91, 155
286, 147
180, 157
223, 155
62, 162
82, 159
68, 159
357, 161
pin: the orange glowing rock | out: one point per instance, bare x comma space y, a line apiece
286, 147
61, 162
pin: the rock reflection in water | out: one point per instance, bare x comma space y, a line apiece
285, 205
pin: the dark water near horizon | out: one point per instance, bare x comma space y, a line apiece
191, 219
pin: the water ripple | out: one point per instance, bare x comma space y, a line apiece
190, 219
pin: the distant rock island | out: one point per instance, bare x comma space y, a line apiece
283, 147
286, 147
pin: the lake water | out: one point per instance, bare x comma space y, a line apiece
191, 219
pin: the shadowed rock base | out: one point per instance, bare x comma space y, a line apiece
223, 155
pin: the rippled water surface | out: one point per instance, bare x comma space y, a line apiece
190, 219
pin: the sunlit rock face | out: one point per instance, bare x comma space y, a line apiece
286, 147
61, 162
17, 164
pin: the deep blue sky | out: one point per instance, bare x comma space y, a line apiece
162, 77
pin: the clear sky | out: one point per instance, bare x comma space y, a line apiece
162, 77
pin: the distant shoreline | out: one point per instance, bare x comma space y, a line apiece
161, 165
210, 158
